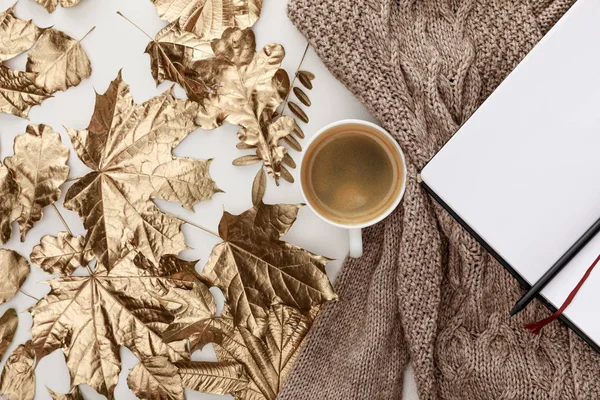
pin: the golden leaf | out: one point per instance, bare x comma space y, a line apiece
8, 327
156, 378
10, 208
17, 35
255, 269
50, 5
302, 96
259, 186
18, 377
75, 394
295, 108
209, 18
18, 92
61, 254
90, 317
39, 166
14, 269
305, 78
129, 147
267, 359
213, 377
59, 61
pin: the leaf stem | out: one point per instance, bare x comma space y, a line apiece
28, 295
199, 227
62, 219
134, 24
86, 35
285, 102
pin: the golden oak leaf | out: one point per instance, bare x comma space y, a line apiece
90, 317
213, 377
18, 377
61, 254
18, 92
14, 269
17, 35
39, 166
156, 378
129, 148
59, 61
267, 359
255, 269
50, 5
8, 327
10, 208
209, 18
75, 394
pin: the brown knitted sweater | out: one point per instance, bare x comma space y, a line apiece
425, 290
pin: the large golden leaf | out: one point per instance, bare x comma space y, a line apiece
256, 269
50, 5
75, 394
90, 317
156, 378
14, 269
18, 92
18, 377
10, 208
209, 18
8, 327
213, 377
61, 254
17, 35
59, 61
39, 166
129, 148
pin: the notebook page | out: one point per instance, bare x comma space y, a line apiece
524, 170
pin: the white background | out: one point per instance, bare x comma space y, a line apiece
115, 45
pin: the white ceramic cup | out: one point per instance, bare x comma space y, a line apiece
355, 231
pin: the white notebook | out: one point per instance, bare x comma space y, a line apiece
523, 173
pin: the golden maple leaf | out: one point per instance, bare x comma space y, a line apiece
50, 5
90, 317
255, 269
39, 166
14, 269
17, 35
10, 208
209, 18
129, 148
61, 254
18, 377
19, 92
8, 327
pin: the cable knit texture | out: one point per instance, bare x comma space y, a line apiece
426, 291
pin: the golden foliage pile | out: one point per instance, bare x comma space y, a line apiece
131, 289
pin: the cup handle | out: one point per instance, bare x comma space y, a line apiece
356, 244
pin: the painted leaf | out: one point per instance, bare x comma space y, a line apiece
50, 5
18, 377
75, 394
59, 61
18, 92
39, 166
14, 269
10, 208
213, 377
61, 254
209, 18
156, 378
8, 327
17, 35
90, 317
256, 269
129, 148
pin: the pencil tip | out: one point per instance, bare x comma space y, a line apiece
513, 312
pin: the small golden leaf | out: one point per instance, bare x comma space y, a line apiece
18, 92
259, 186
10, 208
39, 166
285, 174
208, 19
50, 5
75, 394
213, 377
305, 79
292, 142
244, 146
14, 269
302, 96
255, 269
8, 327
61, 255
298, 112
17, 35
246, 160
59, 61
18, 377
156, 378
289, 161
129, 148
299, 132
108, 310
